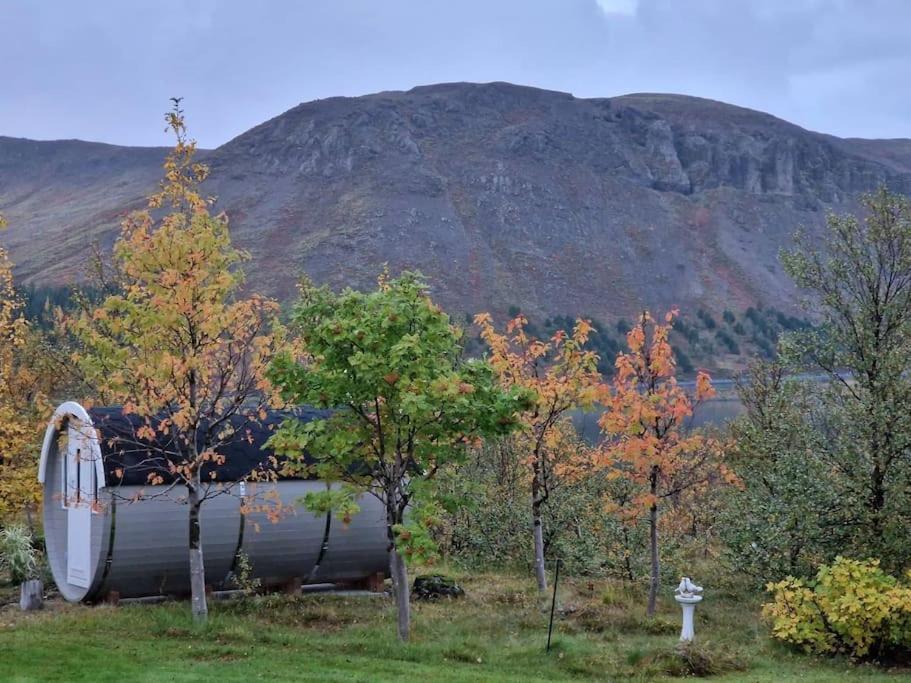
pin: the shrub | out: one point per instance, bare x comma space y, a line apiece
18, 555
697, 660
852, 607
683, 361
797, 518
728, 341
486, 522
706, 319
244, 577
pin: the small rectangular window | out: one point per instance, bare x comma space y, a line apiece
66, 477
78, 476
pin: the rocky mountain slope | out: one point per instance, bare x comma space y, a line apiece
503, 195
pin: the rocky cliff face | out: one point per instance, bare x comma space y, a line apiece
501, 194
716, 144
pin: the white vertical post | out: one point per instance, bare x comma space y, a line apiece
687, 633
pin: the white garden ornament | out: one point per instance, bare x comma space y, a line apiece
688, 595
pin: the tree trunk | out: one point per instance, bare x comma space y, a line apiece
538, 529
537, 525
656, 567
877, 498
198, 603
399, 572
626, 556
653, 545
29, 521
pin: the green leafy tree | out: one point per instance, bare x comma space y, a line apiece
785, 517
858, 278
404, 406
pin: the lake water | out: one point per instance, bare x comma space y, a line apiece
715, 412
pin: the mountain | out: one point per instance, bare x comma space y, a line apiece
503, 195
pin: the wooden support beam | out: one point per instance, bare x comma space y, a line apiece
293, 586
376, 583
31, 595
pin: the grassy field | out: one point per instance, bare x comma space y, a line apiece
496, 633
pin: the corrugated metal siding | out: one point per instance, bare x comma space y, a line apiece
358, 549
150, 551
288, 548
150, 543
140, 547
291, 547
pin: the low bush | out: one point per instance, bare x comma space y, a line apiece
487, 522
18, 556
852, 607
697, 661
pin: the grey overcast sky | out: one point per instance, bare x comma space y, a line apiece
104, 69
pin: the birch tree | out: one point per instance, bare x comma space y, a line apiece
180, 349
561, 374
858, 281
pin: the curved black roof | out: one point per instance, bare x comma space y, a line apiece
133, 460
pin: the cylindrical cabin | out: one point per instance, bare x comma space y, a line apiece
110, 532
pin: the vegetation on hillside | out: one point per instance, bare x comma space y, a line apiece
728, 343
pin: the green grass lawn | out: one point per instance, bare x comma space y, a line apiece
497, 633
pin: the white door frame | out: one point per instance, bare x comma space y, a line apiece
79, 518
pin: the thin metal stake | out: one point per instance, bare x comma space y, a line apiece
553, 604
